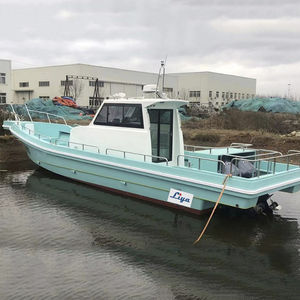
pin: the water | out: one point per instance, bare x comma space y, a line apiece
65, 240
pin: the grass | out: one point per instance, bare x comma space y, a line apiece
245, 120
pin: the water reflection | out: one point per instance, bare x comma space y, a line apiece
67, 239
238, 256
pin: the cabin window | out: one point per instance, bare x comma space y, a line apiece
161, 128
123, 115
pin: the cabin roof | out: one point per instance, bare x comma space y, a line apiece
154, 103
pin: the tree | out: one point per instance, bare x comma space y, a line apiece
76, 88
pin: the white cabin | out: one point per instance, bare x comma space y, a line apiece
146, 129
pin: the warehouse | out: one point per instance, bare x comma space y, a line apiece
48, 82
214, 89
201, 88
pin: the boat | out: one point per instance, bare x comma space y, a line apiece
135, 146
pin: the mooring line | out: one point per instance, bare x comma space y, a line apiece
213, 211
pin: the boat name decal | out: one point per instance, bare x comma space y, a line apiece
181, 198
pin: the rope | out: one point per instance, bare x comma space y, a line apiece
213, 211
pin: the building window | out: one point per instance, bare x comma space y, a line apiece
23, 84
95, 102
168, 90
2, 98
44, 83
239, 95
195, 94
231, 95
210, 94
121, 115
235, 95
243, 96
63, 82
2, 78
93, 83
223, 95
247, 96
217, 94
44, 97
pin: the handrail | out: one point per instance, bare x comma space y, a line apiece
54, 140
274, 158
199, 159
293, 151
14, 112
43, 112
212, 148
134, 153
205, 148
256, 155
242, 145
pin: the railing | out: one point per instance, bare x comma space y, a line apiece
271, 161
45, 113
55, 141
140, 154
240, 145
265, 153
83, 147
233, 145
199, 159
17, 118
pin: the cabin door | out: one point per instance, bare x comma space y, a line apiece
161, 128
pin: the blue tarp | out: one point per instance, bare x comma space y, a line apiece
276, 105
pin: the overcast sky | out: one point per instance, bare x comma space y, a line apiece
253, 38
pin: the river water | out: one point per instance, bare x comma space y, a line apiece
65, 240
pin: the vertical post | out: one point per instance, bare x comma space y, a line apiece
28, 112
49, 121
258, 173
274, 166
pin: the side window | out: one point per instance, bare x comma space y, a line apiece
102, 116
115, 115
123, 115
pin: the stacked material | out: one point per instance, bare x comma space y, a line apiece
275, 105
47, 106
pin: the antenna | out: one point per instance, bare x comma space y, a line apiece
163, 65
161, 69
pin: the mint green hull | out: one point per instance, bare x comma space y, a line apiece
145, 180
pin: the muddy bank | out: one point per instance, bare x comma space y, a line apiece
13, 154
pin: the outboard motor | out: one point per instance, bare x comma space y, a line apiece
263, 207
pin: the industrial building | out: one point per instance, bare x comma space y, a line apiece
214, 89
202, 88
5, 81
